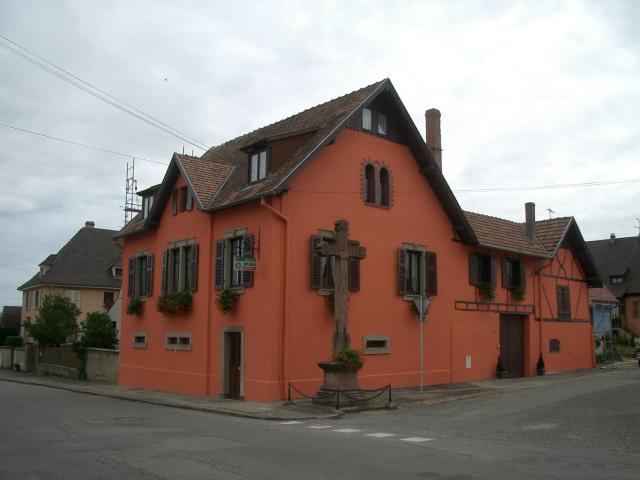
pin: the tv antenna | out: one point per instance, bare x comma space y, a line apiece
550, 212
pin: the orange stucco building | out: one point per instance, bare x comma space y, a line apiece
497, 287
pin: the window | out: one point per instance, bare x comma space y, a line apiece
26, 300
36, 301
376, 345
382, 124
236, 245
147, 203
323, 267
140, 281
564, 303
177, 341
512, 274
180, 267
139, 340
74, 296
417, 271
554, 345
482, 270
616, 279
366, 119
107, 300
257, 166
376, 186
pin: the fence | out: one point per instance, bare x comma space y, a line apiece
61, 361
9, 363
342, 398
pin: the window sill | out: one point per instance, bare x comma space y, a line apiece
236, 290
178, 349
377, 205
326, 292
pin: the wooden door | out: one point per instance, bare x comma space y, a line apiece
512, 344
234, 364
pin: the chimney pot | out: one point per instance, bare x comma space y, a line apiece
433, 134
530, 220
612, 238
89, 224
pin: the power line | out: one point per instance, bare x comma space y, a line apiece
81, 144
547, 187
121, 105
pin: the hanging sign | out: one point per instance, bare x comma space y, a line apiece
245, 264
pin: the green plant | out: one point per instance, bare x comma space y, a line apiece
517, 293
501, 370
55, 321
540, 367
487, 291
134, 307
599, 358
7, 332
226, 300
174, 302
15, 341
98, 331
350, 358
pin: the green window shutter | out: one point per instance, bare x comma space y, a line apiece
131, 283
219, 280
193, 268
402, 271
316, 263
247, 251
431, 263
165, 270
149, 274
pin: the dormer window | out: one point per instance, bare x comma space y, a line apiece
258, 165
616, 279
147, 203
366, 119
382, 124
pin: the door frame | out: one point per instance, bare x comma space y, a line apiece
224, 360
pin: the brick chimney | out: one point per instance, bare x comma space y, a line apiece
433, 140
530, 220
89, 224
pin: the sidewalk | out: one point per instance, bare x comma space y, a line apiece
303, 409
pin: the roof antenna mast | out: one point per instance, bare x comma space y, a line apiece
550, 212
637, 226
131, 203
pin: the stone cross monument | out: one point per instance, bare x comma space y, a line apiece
341, 249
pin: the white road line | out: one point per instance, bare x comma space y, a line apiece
381, 435
292, 422
320, 426
346, 430
416, 439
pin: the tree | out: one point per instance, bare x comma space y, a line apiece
55, 322
98, 331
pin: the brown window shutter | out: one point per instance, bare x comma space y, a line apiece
149, 274
165, 260
247, 251
567, 303
431, 260
219, 282
506, 281
174, 202
132, 277
193, 268
316, 263
493, 271
523, 276
402, 271
189, 199
354, 274
474, 269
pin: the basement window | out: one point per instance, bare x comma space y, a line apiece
139, 340
376, 345
178, 341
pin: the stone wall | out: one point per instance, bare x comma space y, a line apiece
102, 365
5, 358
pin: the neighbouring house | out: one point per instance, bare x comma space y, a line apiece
11, 317
241, 222
603, 308
87, 270
618, 260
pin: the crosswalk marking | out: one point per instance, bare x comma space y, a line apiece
416, 439
291, 422
319, 426
381, 435
346, 430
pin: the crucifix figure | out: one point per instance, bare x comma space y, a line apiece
341, 249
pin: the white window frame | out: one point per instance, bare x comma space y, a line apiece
180, 338
386, 350
70, 294
257, 166
366, 118
382, 127
137, 344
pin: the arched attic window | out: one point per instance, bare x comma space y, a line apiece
369, 184
385, 188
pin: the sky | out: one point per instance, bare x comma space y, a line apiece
531, 94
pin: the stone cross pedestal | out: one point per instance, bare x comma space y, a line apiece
336, 376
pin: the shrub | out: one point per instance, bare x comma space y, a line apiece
350, 358
134, 307
7, 332
55, 321
226, 300
98, 331
15, 341
174, 302
487, 291
517, 293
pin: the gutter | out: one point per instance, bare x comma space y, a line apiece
285, 298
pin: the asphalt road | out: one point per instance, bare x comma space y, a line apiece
588, 428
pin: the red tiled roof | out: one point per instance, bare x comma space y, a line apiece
602, 295
550, 232
206, 178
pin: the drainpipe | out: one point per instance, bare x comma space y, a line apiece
207, 370
285, 296
537, 273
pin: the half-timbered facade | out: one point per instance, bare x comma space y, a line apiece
236, 229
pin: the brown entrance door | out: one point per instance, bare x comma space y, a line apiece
512, 344
234, 363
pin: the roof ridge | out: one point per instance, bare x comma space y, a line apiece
494, 217
294, 115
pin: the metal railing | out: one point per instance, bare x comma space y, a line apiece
342, 396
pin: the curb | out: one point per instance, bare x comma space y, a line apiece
220, 411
